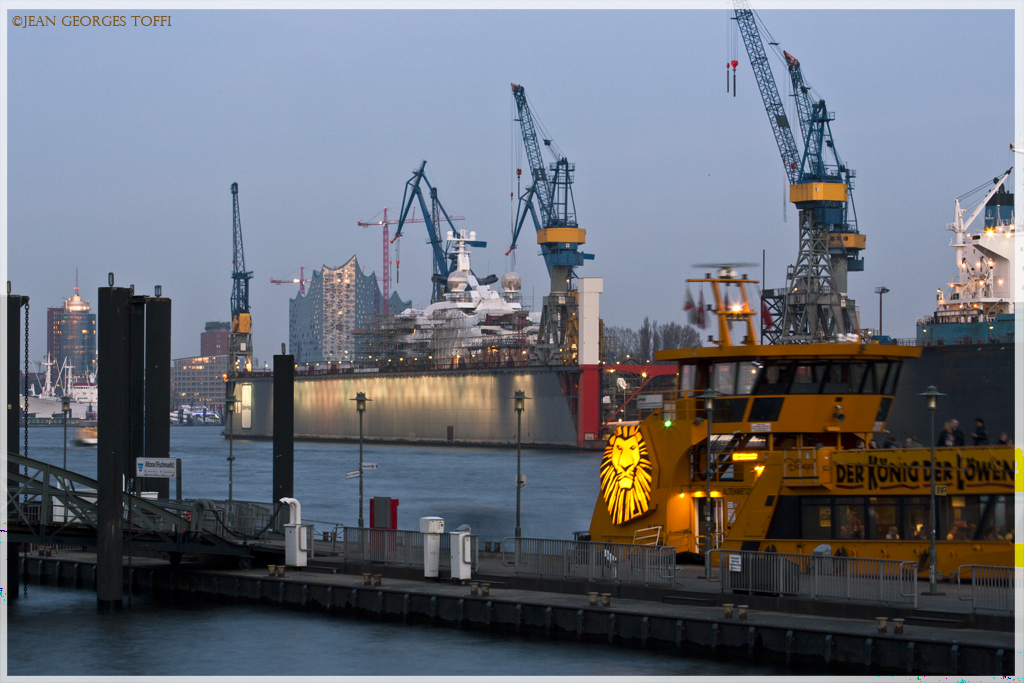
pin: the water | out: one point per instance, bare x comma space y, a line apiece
463, 485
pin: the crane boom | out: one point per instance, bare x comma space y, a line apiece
533, 155
769, 92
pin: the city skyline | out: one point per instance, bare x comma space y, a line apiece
122, 148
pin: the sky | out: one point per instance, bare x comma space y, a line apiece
123, 142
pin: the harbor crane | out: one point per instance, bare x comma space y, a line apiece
301, 281
813, 306
558, 235
443, 261
240, 346
386, 272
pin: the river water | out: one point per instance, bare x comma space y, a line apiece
462, 485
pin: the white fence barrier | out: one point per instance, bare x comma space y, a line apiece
991, 588
593, 561
858, 579
396, 547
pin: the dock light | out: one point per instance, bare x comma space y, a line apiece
230, 403
932, 398
520, 399
65, 407
740, 457
361, 400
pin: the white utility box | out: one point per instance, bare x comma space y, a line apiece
462, 553
431, 528
296, 545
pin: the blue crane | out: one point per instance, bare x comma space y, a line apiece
443, 260
558, 233
240, 347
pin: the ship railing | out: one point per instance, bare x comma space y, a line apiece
591, 560
853, 579
992, 588
391, 547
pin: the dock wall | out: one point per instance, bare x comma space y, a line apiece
801, 648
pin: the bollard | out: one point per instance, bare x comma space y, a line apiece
485, 589
593, 599
271, 569
897, 626
377, 579
882, 628
728, 610
280, 570
473, 587
606, 599
743, 613
366, 578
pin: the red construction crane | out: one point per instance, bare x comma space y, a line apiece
386, 274
300, 281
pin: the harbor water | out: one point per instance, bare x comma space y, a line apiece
463, 485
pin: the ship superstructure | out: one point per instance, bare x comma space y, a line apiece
977, 305
471, 322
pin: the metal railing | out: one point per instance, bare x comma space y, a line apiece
590, 560
395, 547
991, 588
856, 579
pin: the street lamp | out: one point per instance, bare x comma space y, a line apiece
361, 400
65, 406
520, 402
880, 291
230, 403
709, 405
932, 395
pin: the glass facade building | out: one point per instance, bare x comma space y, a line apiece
71, 336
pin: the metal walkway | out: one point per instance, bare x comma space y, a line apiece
48, 505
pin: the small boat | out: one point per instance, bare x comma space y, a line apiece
86, 435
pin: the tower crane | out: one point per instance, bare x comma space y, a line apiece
558, 235
386, 272
442, 259
301, 281
240, 347
813, 305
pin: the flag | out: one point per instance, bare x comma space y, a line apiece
766, 316
701, 311
690, 307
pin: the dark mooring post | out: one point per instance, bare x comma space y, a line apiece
158, 388
284, 427
13, 364
136, 388
112, 442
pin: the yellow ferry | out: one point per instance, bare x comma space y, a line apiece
789, 470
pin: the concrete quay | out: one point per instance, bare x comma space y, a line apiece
672, 621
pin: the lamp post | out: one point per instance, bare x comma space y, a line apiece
230, 403
932, 395
520, 403
361, 400
880, 291
709, 405
65, 407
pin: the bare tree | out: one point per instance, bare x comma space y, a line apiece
643, 353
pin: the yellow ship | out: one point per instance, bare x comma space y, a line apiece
789, 470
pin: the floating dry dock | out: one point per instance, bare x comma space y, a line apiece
689, 622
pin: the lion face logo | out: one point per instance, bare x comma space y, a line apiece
626, 475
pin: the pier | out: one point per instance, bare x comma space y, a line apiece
940, 637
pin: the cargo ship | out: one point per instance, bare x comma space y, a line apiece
778, 460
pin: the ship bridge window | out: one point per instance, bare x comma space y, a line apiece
844, 377
997, 519
687, 377
892, 378
774, 378
883, 516
724, 378
746, 377
807, 378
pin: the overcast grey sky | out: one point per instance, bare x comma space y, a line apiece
123, 143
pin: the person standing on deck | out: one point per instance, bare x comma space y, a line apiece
958, 436
980, 434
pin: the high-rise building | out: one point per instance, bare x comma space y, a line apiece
214, 341
71, 335
338, 304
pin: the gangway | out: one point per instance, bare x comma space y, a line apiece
49, 505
